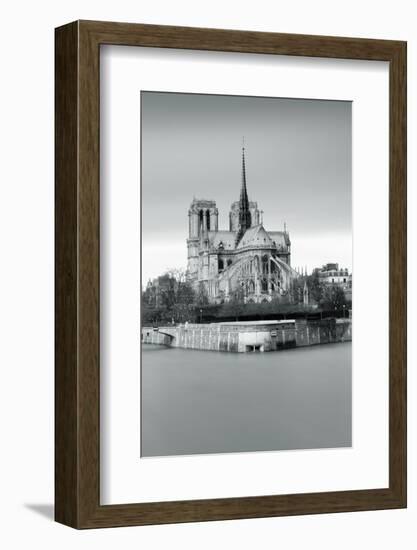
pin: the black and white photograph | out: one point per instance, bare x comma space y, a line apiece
246, 320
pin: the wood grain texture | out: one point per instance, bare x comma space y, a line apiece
78, 285
398, 273
66, 237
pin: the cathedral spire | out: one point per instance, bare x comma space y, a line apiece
244, 202
245, 220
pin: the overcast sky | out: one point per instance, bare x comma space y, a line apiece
298, 168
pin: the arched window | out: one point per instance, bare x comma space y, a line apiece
200, 221
221, 264
208, 219
229, 263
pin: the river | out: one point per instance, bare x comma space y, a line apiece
199, 402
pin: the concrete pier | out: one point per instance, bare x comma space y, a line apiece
249, 336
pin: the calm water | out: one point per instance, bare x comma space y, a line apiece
197, 402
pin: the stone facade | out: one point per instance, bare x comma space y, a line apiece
246, 262
331, 275
250, 336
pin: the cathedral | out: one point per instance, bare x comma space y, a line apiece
247, 262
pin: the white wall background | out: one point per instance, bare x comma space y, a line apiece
26, 272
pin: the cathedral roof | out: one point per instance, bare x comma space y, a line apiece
226, 238
255, 236
281, 238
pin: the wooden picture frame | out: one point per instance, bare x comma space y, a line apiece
77, 374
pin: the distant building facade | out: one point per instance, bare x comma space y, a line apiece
246, 261
331, 274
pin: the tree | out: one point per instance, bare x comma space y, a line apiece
177, 273
185, 293
297, 290
171, 298
315, 287
167, 290
333, 298
183, 309
202, 296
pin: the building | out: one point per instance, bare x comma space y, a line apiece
331, 274
245, 262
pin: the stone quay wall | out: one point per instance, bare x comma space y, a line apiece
250, 336
153, 336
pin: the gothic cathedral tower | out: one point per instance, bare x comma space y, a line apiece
203, 217
245, 218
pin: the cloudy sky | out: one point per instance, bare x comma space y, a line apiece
298, 167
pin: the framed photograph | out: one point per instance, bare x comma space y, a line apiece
230, 274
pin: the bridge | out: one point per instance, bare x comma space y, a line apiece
164, 333
154, 335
